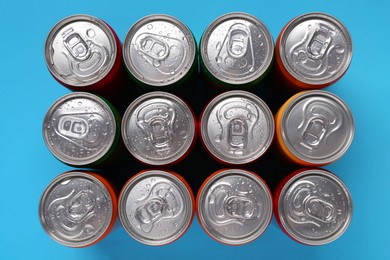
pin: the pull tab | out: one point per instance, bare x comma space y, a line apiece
153, 47
314, 133
239, 207
73, 127
319, 209
238, 40
319, 43
151, 211
238, 133
76, 45
80, 205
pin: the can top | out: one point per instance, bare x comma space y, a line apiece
234, 206
79, 128
237, 48
156, 207
76, 209
237, 127
316, 48
317, 127
315, 207
80, 50
158, 128
159, 50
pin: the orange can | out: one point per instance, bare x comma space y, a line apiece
78, 208
314, 128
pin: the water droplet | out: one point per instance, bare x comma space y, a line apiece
156, 63
150, 26
80, 103
91, 33
172, 72
262, 44
309, 26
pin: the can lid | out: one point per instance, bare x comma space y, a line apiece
317, 127
158, 128
76, 209
316, 48
159, 50
80, 50
237, 127
237, 48
79, 128
234, 206
315, 207
156, 207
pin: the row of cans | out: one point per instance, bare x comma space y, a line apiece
236, 50
312, 128
233, 206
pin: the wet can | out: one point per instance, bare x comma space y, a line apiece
313, 51
236, 127
159, 128
234, 206
78, 208
156, 207
160, 52
314, 128
83, 53
313, 206
82, 129
236, 51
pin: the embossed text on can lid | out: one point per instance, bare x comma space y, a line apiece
159, 50
158, 128
76, 209
315, 207
80, 50
79, 129
237, 127
234, 206
316, 48
317, 127
237, 48
156, 207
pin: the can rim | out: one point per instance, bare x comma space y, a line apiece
182, 186
129, 112
232, 93
131, 68
321, 173
86, 18
235, 172
245, 16
323, 93
68, 159
307, 16
96, 181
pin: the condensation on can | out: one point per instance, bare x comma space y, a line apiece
236, 51
78, 208
313, 51
160, 52
156, 207
82, 129
159, 128
312, 206
234, 206
314, 128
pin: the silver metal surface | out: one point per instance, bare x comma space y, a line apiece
76, 209
317, 127
80, 50
315, 207
156, 207
237, 48
79, 128
159, 50
237, 127
158, 128
316, 48
235, 206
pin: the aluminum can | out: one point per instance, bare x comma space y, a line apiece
83, 53
156, 207
81, 129
313, 51
78, 208
313, 206
234, 206
159, 128
160, 52
314, 128
236, 51
236, 127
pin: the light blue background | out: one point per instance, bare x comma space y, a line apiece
27, 90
